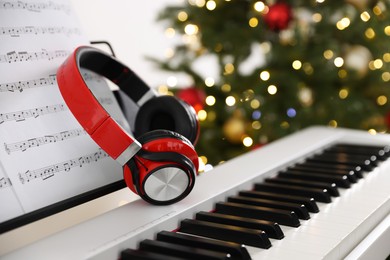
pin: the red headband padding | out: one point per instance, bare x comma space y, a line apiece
86, 108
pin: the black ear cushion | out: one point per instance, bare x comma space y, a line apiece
158, 134
167, 112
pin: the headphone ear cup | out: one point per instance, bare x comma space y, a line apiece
164, 170
170, 113
170, 179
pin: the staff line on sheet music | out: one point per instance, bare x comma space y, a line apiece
17, 31
25, 56
28, 84
49, 171
5, 182
32, 113
42, 140
35, 7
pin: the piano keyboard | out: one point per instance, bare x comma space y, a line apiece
316, 194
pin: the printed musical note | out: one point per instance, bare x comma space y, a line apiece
36, 30
5, 182
49, 171
32, 113
27, 84
35, 7
42, 140
24, 56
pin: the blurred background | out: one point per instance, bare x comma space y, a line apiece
256, 71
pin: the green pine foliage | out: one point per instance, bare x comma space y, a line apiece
316, 91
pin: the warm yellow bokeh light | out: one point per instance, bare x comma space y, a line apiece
253, 22
211, 5
247, 141
191, 29
381, 100
230, 101
182, 16
264, 75
202, 115
297, 64
272, 89
210, 100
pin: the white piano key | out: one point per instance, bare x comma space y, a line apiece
329, 234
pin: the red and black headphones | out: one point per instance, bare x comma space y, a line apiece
161, 164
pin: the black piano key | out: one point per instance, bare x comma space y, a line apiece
351, 175
381, 151
283, 217
272, 229
186, 252
236, 251
378, 153
341, 181
364, 159
330, 187
299, 209
246, 236
357, 170
366, 164
321, 195
132, 254
330, 169
309, 202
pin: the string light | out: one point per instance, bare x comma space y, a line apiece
381, 100
210, 100
255, 104
343, 93
256, 115
386, 76
170, 32
272, 89
372, 131
211, 5
229, 68
369, 33
209, 82
202, 115
264, 75
338, 62
259, 6
297, 64
253, 22
291, 112
365, 16
284, 125
332, 123
230, 101
328, 54
317, 17
182, 16
226, 88
163, 89
256, 125
191, 29
343, 23
247, 141
171, 81
387, 30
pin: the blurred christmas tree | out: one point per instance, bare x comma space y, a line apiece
283, 66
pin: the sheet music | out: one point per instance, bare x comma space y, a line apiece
45, 154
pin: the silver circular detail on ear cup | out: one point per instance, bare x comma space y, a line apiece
166, 184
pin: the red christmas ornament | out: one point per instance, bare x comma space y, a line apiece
278, 17
193, 96
387, 120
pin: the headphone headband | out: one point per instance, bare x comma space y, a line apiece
87, 109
